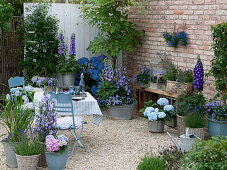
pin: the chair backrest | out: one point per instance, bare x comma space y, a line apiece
16, 81
64, 104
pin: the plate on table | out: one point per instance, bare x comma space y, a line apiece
79, 97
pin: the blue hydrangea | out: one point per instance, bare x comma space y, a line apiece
89, 71
148, 110
83, 61
95, 75
162, 101
152, 116
161, 115
169, 108
94, 90
101, 66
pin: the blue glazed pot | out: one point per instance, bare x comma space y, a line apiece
217, 127
55, 160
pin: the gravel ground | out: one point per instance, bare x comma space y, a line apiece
114, 144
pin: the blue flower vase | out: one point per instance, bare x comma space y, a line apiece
217, 127
56, 160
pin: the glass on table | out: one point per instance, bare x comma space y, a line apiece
77, 90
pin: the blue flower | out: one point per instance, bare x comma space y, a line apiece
95, 75
161, 115
83, 61
148, 110
162, 101
94, 90
169, 108
152, 116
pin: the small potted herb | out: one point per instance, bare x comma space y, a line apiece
196, 123
28, 153
184, 83
143, 77
171, 76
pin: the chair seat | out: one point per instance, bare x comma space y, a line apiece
67, 122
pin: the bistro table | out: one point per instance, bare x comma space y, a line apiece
87, 106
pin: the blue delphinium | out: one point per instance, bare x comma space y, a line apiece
198, 75
162, 101
72, 51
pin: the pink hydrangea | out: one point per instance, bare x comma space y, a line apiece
52, 145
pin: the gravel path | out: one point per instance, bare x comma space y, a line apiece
114, 144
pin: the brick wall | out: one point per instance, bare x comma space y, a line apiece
194, 16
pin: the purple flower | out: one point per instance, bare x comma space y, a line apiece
198, 75
72, 45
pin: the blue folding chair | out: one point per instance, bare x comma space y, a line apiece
16, 85
64, 106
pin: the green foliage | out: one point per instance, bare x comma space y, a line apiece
209, 154
185, 76
219, 62
171, 73
116, 31
17, 5
151, 163
171, 156
190, 103
68, 65
6, 13
149, 103
40, 40
194, 120
28, 147
15, 118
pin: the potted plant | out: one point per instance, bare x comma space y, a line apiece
28, 153
196, 123
171, 76
186, 104
172, 39
151, 163
45, 122
217, 119
143, 77
16, 121
184, 81
49, 84
56, 152
114, 93
67, 65
157, 114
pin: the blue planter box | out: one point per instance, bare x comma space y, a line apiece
217, 127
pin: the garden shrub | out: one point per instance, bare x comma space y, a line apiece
194, 120
40, 40
151, 163
211, 154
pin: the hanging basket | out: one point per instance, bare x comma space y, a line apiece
27, 162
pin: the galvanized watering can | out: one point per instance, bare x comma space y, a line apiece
186, 141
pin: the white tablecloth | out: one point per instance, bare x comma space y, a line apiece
88, 106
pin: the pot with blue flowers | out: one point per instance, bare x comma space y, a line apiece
114, 93
56, 152
217, 119
143, 77
157, 114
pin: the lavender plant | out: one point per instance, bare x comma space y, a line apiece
46, 120
114, 88
216, 111
198, 75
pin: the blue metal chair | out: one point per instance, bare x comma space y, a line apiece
16, 85
64, 106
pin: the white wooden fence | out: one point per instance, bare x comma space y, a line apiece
70, 22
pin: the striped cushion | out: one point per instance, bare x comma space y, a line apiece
67, 122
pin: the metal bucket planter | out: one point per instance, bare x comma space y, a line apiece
172, 122
156, 126
59, 77
68, 79
217, 127
56, 160
124, 112
11, 159
27, 162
